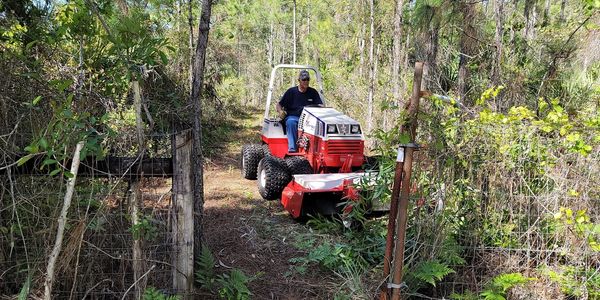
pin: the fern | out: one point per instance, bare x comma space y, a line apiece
507, 281
431, 271
502, 283
467, 295
234, 285
205, 275
151, 293
492, 295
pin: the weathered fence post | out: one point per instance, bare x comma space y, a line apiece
183, 208
396, 233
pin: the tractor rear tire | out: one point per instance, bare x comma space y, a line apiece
273, 176
266, 150
251, 156
298, 165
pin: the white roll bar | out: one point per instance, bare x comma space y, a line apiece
287, 66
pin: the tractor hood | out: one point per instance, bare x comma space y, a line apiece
329, 115
328, 123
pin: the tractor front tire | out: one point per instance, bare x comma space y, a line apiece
372, 163
298, 165
251, 156
273, 176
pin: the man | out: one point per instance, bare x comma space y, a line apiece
292, 103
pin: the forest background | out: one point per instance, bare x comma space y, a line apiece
508, 187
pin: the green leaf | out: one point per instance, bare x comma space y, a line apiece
36, 100
25, 289
508, 281
205, 271
163, 57
30, 44
61, 85
69, 175
24, 159
43, 143
33, 148
431, 271
48, 161
491, 295
404, 138
67, 113
55, 172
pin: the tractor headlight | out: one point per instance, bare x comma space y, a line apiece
331, 128
355, 129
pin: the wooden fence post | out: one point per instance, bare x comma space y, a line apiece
183, 208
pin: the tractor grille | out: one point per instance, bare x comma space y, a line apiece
344, 147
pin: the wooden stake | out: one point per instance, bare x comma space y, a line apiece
411, 127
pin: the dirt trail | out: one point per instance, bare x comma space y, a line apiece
248, 233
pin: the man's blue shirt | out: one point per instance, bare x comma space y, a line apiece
293, 101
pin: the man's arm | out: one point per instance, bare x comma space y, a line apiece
281, 110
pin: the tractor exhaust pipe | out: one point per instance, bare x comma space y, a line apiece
400, 194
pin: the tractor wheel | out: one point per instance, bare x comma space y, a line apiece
251, 155
273, 176
372, 163
265, 149
298, 165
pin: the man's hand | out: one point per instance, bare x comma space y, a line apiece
280, 111
282, 114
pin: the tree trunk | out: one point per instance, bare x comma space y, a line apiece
294, 33
135, 201
406, 48
179, 69
191, 43
238, 35
62, 220
306, 46
563, 5
432, 48
138, 263
361, 50
546, 17
195, 101
270, 50
499, 16
137, 103
397, 54
467, 44
530, 14
512, 41
123, 6
371, 68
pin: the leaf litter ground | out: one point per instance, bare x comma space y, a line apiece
244, 231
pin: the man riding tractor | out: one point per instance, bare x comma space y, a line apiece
314, 162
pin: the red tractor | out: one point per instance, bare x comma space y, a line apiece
323, 172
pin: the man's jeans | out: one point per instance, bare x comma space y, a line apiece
291, 123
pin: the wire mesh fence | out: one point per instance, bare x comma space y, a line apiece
514, 210
97, 254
